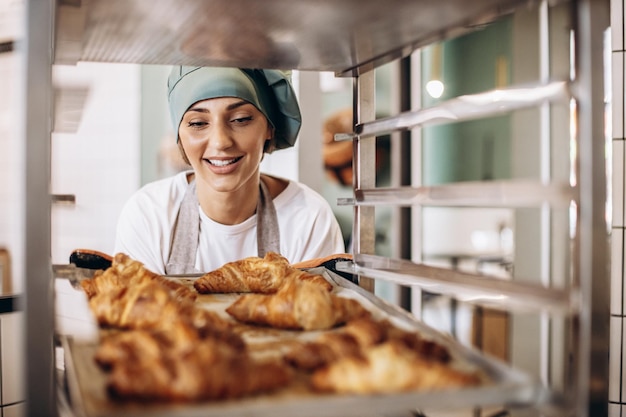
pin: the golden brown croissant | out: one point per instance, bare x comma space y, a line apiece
126, 272
428, 348
151, 306
133, 345
252, 274
297, 305
366, 330
297, 274
255, 275
128, 346
369, 331
354, 338
140, 306
128, 296
122, 273
327, 348
146, 366
389, 367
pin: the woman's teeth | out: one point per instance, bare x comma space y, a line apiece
222, 162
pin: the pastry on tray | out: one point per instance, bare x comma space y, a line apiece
144, 365
390, 367
298, 305
161, 343
165, 347
354, 338
126, 272
255, 275
129, 296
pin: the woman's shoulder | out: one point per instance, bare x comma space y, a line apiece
299, 194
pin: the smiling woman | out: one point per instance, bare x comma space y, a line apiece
223, 140
224, 208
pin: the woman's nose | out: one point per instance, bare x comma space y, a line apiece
220, 136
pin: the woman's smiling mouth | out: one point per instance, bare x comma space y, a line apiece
223, 162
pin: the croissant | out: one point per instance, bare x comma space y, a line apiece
144, 366
149, 345
127, 346
367, 331
252, 274
126, 272
123, 272
325, 349
150, 306
297, 305
370, 332
429, 349
140, 306
350, 339
389, 367
354, 338
256, 275
297, 274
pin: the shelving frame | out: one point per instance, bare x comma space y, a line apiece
350, 38
586, 299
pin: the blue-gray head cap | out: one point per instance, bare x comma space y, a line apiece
269, 90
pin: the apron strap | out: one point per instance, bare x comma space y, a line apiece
267, 232
182, 258
186, 233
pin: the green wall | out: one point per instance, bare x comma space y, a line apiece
473, 150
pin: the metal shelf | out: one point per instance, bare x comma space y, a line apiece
480, 290
467, 107
347, 37
512, 193
582, 228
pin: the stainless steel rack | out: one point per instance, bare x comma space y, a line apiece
350, 38
584, 279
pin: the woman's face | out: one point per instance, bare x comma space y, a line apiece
223, 139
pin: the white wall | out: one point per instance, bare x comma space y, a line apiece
11, 172
100, 162
12, 394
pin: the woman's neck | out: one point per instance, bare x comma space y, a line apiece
232, 207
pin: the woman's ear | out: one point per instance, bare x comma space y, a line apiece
270, 142
268, 146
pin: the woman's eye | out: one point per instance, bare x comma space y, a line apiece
241, 120
196, 123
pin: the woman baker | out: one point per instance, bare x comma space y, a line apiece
224, 208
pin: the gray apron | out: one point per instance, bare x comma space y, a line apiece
182, 259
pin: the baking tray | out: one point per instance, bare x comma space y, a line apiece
508, 387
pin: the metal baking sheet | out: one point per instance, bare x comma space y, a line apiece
88, 397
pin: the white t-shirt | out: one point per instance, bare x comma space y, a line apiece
307, 225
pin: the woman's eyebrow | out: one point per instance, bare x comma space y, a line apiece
229, 107
237, 104
199, 110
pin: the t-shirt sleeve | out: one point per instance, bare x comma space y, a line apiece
328, 234
137, 235
319, 235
